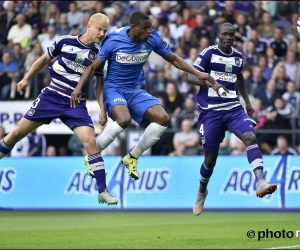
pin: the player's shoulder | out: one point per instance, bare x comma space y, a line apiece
209, 50
116, 35
154, 37
236, 53
118, 32
67, 38
154, 33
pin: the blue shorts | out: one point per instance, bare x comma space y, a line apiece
213, 125
50, 105
136, 100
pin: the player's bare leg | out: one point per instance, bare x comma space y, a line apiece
23, 128
95, 163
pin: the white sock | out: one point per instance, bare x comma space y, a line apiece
151, 135
111, 131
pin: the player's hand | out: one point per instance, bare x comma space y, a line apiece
217, 88
206, 78
75, 98
21, 85
102, 118
249, 109
211, 82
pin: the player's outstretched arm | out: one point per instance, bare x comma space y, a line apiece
84, 79
195, 80
243, 90
183, 65
36, 67
99, 96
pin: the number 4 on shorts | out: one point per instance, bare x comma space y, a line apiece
201, 129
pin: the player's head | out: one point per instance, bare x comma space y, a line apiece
97, 27
226, 35
140, 25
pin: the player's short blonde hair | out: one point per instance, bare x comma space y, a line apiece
98, 17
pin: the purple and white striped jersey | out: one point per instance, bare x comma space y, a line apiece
224, 68
71, 59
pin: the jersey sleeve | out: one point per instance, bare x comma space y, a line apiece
202, 61
162, 47
142, 79
105, 49
55, 49
242, 67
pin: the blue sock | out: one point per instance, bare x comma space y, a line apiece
255, 159
97, 165
4, 149
205, 174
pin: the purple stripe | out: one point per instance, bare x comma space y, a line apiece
198, 67
95, 158
4, 148
100, 159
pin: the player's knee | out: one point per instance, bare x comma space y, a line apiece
249, 138
124, 123
210, 161
89, 142
163, 119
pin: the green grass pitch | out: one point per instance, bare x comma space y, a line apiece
92, 230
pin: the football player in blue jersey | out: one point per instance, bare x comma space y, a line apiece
221, 113
68, 58
126, 51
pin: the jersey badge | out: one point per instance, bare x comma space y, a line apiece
79, 59
237, 61
30, 112
52, 47
91, 55
228, 68
143, 47
198, 61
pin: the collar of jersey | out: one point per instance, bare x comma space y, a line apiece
225, 53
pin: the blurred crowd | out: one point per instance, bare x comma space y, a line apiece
266, 35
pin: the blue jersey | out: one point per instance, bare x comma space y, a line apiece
71, 59
126, 58
224, 68
142, 79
